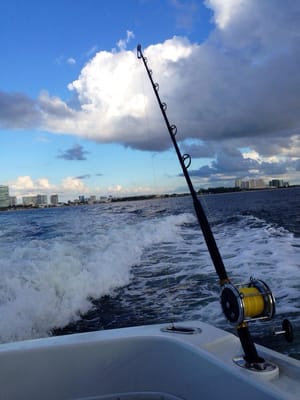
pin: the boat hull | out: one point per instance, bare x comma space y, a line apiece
149, 362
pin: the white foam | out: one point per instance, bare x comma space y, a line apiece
253, 248
48, 283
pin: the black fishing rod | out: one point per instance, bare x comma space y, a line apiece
185, 161
254, 301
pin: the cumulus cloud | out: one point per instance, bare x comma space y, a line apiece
26, 185
54, 108
225, 11
199, 149
69, 188
115, 100
242, 82
23, 182
70, 185
240, 87
17, 111
231, 163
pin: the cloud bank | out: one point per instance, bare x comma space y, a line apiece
240, 89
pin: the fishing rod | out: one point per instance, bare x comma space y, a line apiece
253, 301
185, 161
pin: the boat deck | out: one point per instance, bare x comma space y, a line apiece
148, 362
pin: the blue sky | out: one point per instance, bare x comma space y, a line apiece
77, 115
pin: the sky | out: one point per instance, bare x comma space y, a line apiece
78, 115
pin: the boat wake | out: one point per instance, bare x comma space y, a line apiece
112, 267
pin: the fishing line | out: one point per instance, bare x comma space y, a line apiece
148, 123
240, 305
211, 218
185, 162
168, 270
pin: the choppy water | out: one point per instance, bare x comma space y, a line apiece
111, 265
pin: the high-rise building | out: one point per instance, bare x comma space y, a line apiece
250, 184
29, 200
4, 196
41, 200
54, 199
81, 199
238, 183
278, 183
92, 199
12, 201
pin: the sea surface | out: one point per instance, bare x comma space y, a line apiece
84, 268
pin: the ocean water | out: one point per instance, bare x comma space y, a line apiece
77, 269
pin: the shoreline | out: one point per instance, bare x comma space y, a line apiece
209, 191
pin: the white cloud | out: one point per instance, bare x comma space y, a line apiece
115, 98
239, 83
240, 87
116, 189
225, 10
251, 154
242, 83
25, 185
69, 188
73, 185
212, 93
23, 182
43, 184
122, 43
71, 61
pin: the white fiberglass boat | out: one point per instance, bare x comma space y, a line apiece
190, 361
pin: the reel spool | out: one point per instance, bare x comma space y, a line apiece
251, 302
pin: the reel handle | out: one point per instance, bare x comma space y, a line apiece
287, 331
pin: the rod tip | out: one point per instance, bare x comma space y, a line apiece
139, 51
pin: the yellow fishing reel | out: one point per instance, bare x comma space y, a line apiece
250, 302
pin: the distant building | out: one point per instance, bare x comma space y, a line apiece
81, 199
278, 183
4, 196
54, 199
92, 200
12, 201
238, 183
250, 184
29, 201
41, 200
258, 184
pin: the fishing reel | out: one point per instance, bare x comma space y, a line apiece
247, 303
